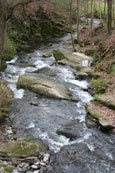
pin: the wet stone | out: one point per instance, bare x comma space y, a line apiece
34, 167
46, 158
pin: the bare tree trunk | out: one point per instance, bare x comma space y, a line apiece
87, 11
100, 12
109, 21
113, 11
78, 22
105, 10
3, 13
72, 40
91, 15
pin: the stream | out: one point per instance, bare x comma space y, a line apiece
91, 150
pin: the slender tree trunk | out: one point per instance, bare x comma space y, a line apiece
78, 22
105, 10
113, 11
72, 40
2, 28
109, 18
100, 12
87, 12
91, 15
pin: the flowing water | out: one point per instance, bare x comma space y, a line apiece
53, 114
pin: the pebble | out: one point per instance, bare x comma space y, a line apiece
4, 163
23, 165
36, 171
34, 166
15, 170
42, 164
46, 158
37, 163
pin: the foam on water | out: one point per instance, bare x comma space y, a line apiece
53, 144
83, 84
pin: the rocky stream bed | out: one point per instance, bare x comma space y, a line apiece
53, 114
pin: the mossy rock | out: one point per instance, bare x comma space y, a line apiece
44, 87
81, 75
46, 28
9, 49
51, 74
5, 99
46, 54
3, 66
99, 85
20, 148
7, 168
90, 52
58, 55
79, 68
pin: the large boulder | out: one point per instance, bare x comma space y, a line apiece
45, 87
58, 55
74, 60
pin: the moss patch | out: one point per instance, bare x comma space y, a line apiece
7, 168
99, 85
52, 74
9, 49
20, 148
5, 100
58, 55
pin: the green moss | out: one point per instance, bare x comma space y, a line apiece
46, 28
90, 52
95, 96
3, 66
58, 55
111, 68
28, 139
102, 44
9, 49
46, 54
79, 68
7, 168
4, 100
99, 85
20, 148
52, 74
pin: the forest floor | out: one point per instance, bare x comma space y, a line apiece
102, 48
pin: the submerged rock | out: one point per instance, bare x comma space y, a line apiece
72, 130
48, 88
82, 158
46, 54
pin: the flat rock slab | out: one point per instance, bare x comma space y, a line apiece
47, 88
75, 59
104, 115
